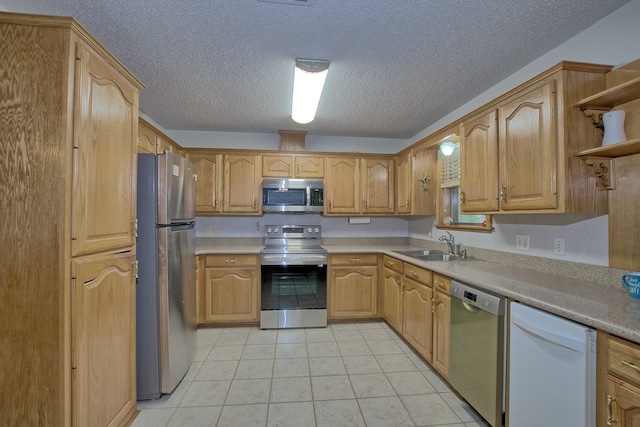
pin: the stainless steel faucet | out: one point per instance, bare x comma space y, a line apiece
451, 242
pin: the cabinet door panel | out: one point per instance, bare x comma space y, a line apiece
353, 292
103, 339
342, 192
403, 184
528, 149
378, 185
277, 166
441, 333
309, 167
242, 179
231, 295
625, 404
208, 169
105, 135
393, 299
416, 317
479, 164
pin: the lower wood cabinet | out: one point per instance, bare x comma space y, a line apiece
441, 323
416, 316
618, 384
103, 363
230, 289
353, 286
392, 292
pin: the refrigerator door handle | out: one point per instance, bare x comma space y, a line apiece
548, 336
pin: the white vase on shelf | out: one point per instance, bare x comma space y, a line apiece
613, 127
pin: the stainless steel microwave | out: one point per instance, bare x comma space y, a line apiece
292, 195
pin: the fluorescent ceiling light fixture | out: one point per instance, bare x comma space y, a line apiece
308, 81
447, 146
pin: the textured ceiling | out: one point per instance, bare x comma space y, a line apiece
397, 66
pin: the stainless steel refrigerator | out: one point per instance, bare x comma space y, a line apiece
165, 297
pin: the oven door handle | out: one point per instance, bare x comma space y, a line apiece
308, 197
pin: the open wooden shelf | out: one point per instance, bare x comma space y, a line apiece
620, 149
612, 97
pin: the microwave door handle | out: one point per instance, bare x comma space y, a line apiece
308, 197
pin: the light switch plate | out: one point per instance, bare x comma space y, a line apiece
522, 242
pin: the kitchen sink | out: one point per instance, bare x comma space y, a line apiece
426, 255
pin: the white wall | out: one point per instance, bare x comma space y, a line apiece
331, 226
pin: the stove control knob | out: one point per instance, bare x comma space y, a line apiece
269, 230
316, 230
275, 230
309, 230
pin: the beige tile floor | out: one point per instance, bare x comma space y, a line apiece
355, 374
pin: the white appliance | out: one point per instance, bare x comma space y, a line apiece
552, 372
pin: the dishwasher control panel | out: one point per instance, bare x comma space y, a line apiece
478, 298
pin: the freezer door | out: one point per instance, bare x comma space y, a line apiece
177, 314
176, 189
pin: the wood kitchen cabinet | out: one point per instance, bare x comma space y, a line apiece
242, 184
404, 175
618, 382
377, 185
292, 166
103, 339
417, 296
392, 292
151, 140
441, 323
230, 290
70, 146
425, 182
517, 152
208, 169
342, 185
353, 286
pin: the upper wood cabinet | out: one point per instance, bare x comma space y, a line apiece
105, 159
404, 175
517, 153
151, 140
208, 169
292, 166
359, 186
242, 183
424, 179
342, 186
479, 161
377, 185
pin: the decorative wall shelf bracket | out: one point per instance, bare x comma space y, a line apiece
425, 182
603, 169
596, 116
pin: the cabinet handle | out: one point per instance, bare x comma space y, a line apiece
135, 228
390, 264
255, 203
354, 260
415, 274
365, 204
230, 261
462, 197
441, 284
503, 190
630, 365
609, 410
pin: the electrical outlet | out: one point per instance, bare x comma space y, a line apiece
522, 242
558, 246
208, 230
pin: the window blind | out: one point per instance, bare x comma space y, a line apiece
450, 168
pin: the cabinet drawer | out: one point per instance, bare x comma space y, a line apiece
354, 259
624, 359
232, 260
418, 274
392, 263
442, 283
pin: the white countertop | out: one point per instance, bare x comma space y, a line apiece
602, 306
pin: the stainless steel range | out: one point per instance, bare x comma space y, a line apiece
294, 278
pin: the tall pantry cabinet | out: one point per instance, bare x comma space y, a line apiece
68, 119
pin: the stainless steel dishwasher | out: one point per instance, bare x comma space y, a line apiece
477, 350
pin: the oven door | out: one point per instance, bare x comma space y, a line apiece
293, 296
